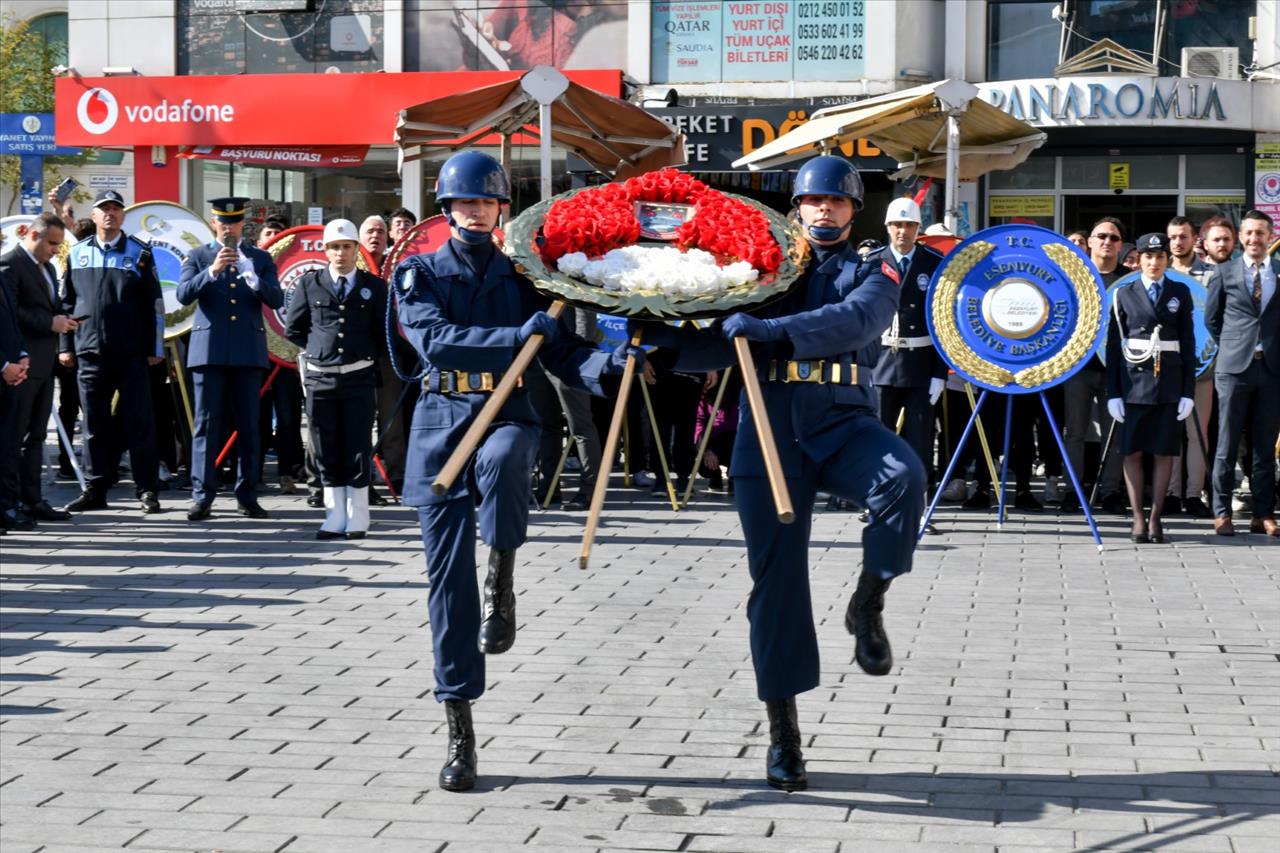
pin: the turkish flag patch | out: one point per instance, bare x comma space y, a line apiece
890, 272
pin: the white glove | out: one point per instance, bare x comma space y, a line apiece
936, 386
1116, 407
247, 273
1184, 408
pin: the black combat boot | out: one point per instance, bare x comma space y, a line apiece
459, 771
862, 619
498, 630
785, 766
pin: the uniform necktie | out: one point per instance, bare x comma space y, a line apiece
342, 288
1257, 287
903, 265
1154, 291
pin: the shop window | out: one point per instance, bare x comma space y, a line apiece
489, 35
1215, 171
1022, 39
1146, 171
1188, 23
1034, 174
1208, 23
215, 37
1201, 207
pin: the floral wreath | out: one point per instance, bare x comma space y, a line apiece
752, 253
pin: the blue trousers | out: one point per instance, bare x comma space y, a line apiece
217, 389
876, 469
499, 480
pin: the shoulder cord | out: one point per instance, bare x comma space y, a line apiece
393, 297
1148, 350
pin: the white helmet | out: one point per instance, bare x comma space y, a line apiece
902, 210
340, 229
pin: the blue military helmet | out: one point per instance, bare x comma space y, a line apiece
472, 174
828, 175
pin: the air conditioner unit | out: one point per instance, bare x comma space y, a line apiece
1220, 62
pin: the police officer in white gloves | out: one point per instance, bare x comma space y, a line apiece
335, 315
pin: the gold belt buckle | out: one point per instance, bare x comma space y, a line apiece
805, 371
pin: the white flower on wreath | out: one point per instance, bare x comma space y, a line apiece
658, 269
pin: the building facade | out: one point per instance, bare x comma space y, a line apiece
1181, 116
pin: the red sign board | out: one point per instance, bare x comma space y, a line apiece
294, 157
262, 109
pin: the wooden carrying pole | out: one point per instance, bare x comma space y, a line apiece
471, 439
764, 432
606, 459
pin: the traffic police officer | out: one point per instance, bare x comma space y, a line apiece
467, 311
910, 374
1151, 375
815, 350
336, 317
110, 287
229, 281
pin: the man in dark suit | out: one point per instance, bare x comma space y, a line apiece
13, 369
41, 319
1242, 313
230, 281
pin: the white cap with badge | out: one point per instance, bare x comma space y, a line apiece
902, 210
340, 229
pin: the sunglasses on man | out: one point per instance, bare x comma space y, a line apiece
1109, 238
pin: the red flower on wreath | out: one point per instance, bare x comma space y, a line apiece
597, 220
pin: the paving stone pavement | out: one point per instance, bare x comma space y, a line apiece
235, 685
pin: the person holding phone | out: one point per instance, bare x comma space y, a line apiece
229, 281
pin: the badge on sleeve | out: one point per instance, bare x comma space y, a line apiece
84, 260
922, 281
128, 262
890, 272
1173, 304
366, 293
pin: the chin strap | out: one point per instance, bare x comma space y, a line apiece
467, 235
826, 233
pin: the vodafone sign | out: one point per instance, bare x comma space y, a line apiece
262, 109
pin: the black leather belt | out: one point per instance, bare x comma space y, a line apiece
820, 372
462, 382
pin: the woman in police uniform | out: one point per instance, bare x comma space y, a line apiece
1151, 374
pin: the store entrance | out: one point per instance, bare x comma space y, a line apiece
1140, 214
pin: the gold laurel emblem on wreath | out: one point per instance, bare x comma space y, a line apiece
1087, 320
278, 345
963, 356
944, 317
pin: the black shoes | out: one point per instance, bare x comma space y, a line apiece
864, 622
1172, 505
14, 520
88, 500
1070, 504
1195, 508
580, 502
150, 503
1114, 503
459, 771
376, 499
43, 512
1027, 502
498, 630
251, 509
315, 499
980, 499
198, 511
784, 767
324, 535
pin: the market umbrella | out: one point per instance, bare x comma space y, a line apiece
939, 130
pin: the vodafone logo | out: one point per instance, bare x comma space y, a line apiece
97, 111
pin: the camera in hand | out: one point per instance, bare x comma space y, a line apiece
229, 242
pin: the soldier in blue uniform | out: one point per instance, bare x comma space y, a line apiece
229, 281
467, 312
336, 317
110, 286
1151, 376
910, 375
815, 350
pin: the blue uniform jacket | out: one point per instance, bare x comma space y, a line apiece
228, 329
837, 312
119, 293
457, 322
911, 368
